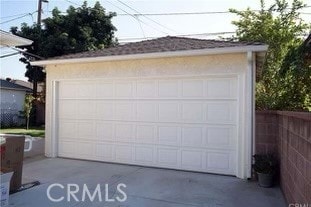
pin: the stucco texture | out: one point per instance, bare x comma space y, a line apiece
198, 65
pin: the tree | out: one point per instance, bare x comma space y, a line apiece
279, 26
34, 74
27, 108
296, 74
80, 29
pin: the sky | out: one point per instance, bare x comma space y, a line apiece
128, 27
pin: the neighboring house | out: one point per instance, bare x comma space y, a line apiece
12, 102
40, 104
9, 40
40, 87
170, 102
22, 83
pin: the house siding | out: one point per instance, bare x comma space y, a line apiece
11, 104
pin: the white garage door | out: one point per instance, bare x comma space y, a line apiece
187, 123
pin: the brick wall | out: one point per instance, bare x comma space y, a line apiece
288, 134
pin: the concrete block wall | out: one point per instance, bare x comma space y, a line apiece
288, 135
266, 132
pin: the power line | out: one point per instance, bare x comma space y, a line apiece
142, 30
206, 34
174, 13
73, 3
197, 13
149, 14
180, 35
136, 18
189, 35
179, 13
15, 15
10, 20
138, 13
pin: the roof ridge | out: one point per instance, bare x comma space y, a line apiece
161, 44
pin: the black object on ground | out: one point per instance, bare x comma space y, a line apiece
26, 186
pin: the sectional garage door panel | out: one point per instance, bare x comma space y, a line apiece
185, 123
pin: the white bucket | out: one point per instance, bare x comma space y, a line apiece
5, 188
28, 141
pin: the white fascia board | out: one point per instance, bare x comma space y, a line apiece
211, 51
8, 39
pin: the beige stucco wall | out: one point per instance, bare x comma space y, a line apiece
230, 63
159, 67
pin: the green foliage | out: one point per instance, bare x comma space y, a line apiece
279, 26
296, 78
265, 163
28, 104
80, 29
33, 131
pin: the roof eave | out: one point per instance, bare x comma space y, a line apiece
199, 52
16, 89
8, 39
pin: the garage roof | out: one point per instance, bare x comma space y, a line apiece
166, 46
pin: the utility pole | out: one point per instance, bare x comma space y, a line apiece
35, 78
40, 10
35, 68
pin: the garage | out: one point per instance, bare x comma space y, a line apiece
171, 102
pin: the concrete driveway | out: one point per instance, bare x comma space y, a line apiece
144, 186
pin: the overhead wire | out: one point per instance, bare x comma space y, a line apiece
179, 13
197, 13
180, 35
15, 15
150, 19
20, 17
137, 14
188, 35
135, 17
142, 30
73, 3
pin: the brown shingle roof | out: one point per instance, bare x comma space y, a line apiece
162, 44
